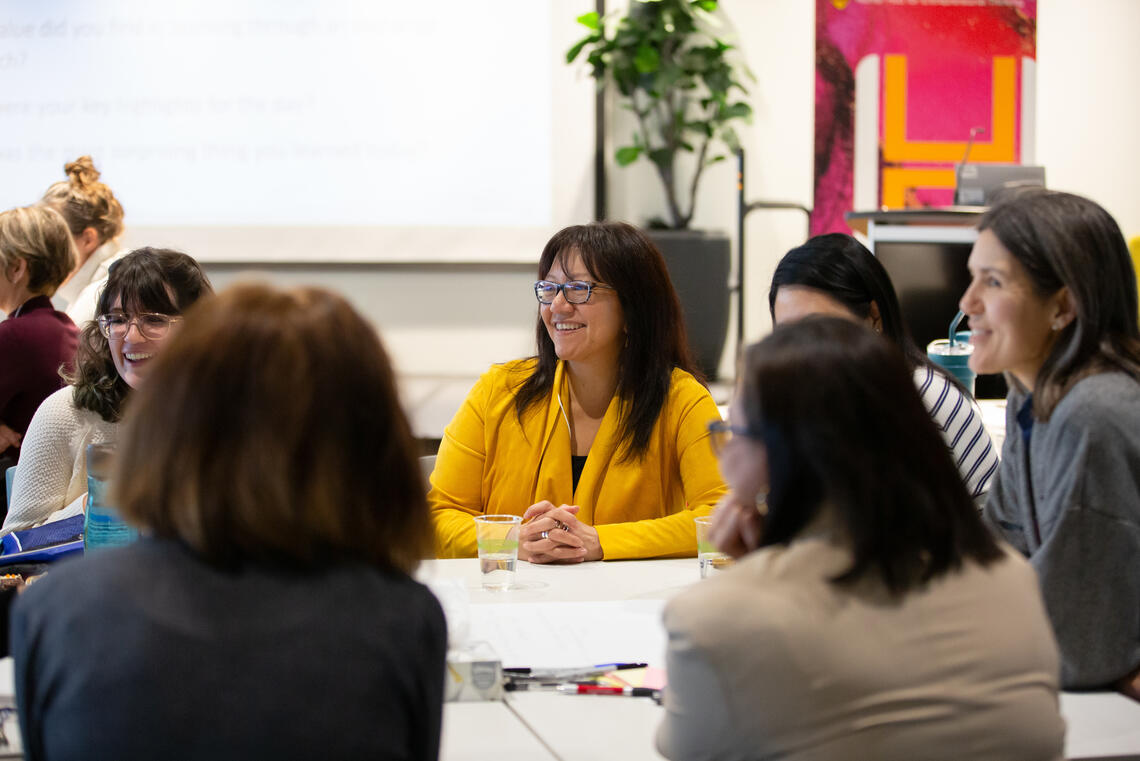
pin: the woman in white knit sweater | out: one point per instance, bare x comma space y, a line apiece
146, 292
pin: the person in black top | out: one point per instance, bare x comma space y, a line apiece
268, 610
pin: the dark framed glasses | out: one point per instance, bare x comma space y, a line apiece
575, 292
151, 325
721, 432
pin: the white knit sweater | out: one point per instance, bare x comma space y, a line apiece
51, 479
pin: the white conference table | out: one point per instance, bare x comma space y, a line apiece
544, 725
549, 606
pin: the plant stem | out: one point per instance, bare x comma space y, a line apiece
665, 173
696, 179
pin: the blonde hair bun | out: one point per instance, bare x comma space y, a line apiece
82, 171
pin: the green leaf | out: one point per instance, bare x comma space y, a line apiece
715, 160
627, 155
647, 59
736, 111
662, 157
705, 5
573, 52
590, 20
730, 138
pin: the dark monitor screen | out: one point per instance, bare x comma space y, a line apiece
930, 278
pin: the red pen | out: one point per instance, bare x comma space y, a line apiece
598, 689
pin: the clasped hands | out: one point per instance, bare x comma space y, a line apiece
552, 534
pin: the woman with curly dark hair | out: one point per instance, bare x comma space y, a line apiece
146, 292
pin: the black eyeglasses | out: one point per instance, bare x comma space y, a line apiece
575, 292
721, 432
151, 325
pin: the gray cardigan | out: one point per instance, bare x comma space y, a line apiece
1070, 502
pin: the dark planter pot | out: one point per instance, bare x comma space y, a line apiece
699, 266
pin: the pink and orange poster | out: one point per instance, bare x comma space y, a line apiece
900, 88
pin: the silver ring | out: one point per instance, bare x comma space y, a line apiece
545, 534
563, 526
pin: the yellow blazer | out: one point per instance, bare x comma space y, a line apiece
490, 463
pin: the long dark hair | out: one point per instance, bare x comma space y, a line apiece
146, 280
1066, 241
620, 255
858, 439
843, 268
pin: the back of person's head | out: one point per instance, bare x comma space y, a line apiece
145, 280
842, 268
85, 202
623, 257
272, 433
38, 236
1067, 241
856, 439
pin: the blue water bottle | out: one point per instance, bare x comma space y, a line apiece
102, 527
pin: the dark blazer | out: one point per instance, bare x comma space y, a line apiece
146, 652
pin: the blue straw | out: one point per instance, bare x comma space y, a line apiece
954, 327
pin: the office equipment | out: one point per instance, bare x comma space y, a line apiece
925, 252
978, 184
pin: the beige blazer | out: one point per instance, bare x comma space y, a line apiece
771, 660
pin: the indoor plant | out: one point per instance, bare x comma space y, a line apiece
680, 82
683, 85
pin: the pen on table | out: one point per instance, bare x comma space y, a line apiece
524, 672
597, 689
573, 688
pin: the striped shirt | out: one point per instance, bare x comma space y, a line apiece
960, 421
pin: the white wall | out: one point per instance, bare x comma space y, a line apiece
457, 323
1088, 102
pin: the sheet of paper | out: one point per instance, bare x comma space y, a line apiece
571, 634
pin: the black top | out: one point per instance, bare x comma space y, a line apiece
577, 463
145, 652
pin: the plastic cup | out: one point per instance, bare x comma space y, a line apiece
710, 560
498, 538
102, 526
954, 359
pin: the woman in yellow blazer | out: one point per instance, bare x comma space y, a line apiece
600, 441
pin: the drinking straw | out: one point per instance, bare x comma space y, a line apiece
954, 327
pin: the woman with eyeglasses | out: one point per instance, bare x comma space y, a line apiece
871, 614
146, 293
599, 442
36, 341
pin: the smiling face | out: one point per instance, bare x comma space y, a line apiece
1013, 327
133, 353
587, 333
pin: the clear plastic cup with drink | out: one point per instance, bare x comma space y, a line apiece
498, 539
709, 558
